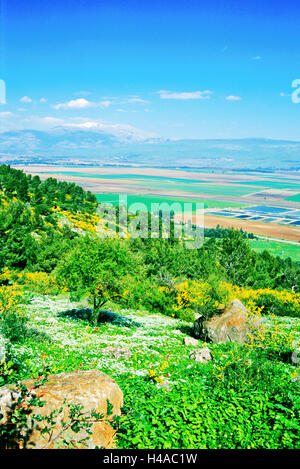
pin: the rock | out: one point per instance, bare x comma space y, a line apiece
177, 332
117, 352
230, 326
190, 341
201, 355
91, 389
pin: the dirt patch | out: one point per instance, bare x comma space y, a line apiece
260, 228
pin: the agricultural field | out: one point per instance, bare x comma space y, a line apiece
295, 198
277, 248
147, 200
226, 190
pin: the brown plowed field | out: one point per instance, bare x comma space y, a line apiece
274, 230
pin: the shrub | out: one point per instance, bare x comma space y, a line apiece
12, 316
280, 303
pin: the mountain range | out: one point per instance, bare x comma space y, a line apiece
63, 144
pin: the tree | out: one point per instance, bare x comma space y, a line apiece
237, 258
97, 269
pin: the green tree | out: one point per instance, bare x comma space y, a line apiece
97, 269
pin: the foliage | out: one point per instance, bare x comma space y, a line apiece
97, 269
12, 316
230, 414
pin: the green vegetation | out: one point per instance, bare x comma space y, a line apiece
277, 248
53, 265
243, 399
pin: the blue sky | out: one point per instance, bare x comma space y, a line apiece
176, 69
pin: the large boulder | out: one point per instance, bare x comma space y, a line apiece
230, 326
91, 389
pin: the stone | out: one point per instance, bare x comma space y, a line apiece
230, 326
190, 341
177, 332
201, 355
117, 352
91, 389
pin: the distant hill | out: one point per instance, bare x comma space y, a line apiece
69, 143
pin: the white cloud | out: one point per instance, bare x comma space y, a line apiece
43, 100
233, 98
104, 103
26, 99
257, 57
185, 94
81, 103
136, 99
6, 114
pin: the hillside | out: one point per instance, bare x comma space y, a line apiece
73, 300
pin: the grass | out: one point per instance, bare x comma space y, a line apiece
277, 248
193, 407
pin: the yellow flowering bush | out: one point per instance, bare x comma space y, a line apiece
156, 374
210, 297
12, 314
280, 303
202, 297
39, 282
275, 339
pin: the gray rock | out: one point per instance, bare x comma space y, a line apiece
117, 352
201, 355
190, 341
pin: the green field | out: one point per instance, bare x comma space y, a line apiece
201, 188
277, 248
295, 198
237, 189
272, 184
147, 200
